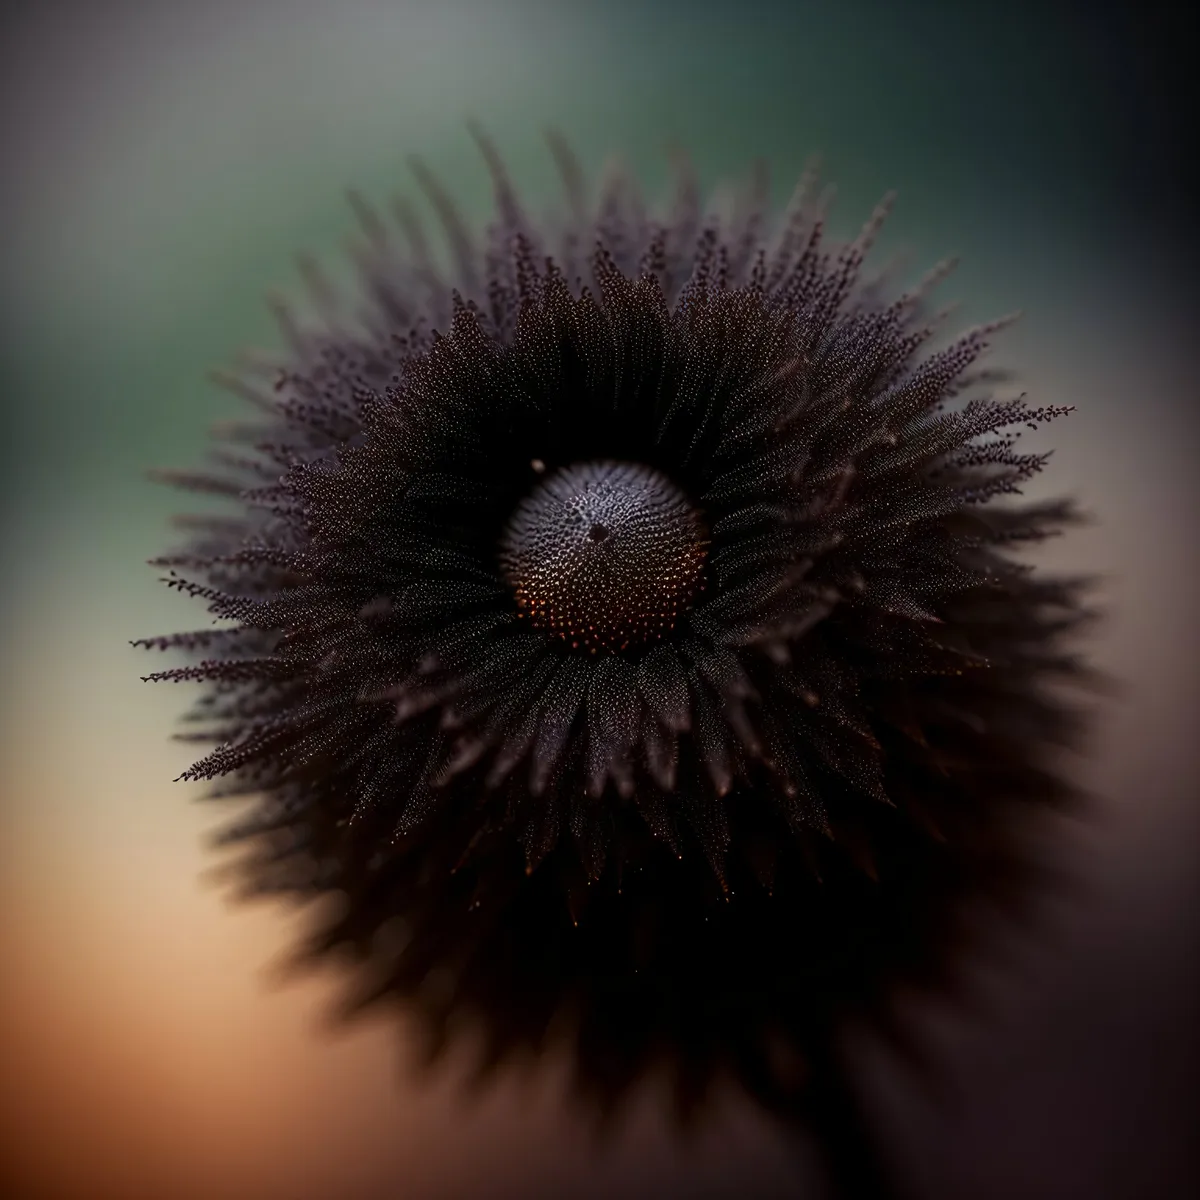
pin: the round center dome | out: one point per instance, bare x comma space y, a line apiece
605, 555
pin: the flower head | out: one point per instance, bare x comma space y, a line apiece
627, 568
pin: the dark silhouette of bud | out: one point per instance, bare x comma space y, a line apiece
631, 625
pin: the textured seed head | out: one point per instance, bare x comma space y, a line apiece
604, 555
722, 718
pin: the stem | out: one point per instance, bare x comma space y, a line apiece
835, 1116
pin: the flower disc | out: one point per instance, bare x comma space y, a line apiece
604, 555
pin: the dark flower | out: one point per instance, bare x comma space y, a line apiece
629, 623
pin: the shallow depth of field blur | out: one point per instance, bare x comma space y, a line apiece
164, 162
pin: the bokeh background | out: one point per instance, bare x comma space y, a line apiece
162, 162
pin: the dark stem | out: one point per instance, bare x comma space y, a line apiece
834, 1114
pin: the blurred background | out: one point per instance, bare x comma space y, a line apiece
163, 162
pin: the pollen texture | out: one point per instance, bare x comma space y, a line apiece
604, 555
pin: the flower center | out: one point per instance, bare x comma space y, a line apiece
605, 555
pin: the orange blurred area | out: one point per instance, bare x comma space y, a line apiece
148, 1052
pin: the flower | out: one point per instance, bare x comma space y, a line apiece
631, 618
